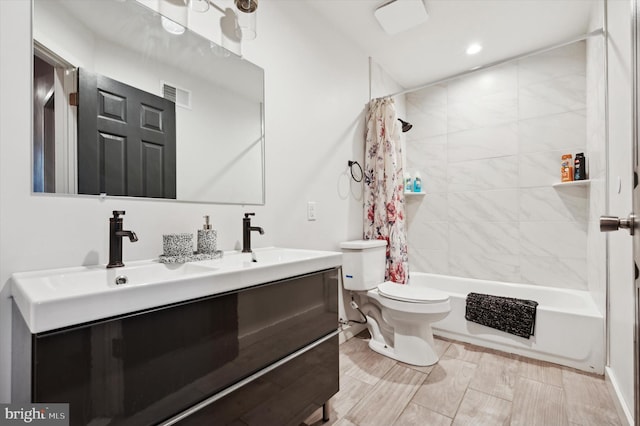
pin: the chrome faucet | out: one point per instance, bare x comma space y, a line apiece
246, 232
116, 233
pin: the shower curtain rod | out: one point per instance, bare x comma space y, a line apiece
593, 33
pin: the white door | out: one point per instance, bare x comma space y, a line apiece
630, 221
626, 222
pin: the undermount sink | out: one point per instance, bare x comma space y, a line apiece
129, 275
270, 256
70, 282
58, 298
284, 255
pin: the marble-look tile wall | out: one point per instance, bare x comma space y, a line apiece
596, 146
488, 148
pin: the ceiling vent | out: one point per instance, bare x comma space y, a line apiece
397, 16
181, 97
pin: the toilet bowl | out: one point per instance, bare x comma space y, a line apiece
399, 316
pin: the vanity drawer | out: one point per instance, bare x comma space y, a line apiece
284, 396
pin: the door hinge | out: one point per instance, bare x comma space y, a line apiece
73, 99
635, 180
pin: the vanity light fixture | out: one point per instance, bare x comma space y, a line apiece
245, 18
246, 28
474, 48
199, 5
247, 6
171, 26
174, 16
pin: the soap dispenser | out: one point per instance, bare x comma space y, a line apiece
207, 238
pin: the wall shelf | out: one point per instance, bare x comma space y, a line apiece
410, 193
575, 183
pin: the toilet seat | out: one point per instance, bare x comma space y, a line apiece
428, 306
411, 319
412, 294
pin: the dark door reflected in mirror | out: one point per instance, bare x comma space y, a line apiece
217, 152
126, 139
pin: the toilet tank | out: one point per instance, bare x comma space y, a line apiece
363, 264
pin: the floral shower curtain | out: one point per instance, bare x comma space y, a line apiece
383, 190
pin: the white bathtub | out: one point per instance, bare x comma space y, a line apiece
569, 327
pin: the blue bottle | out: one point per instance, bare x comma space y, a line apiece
417, 183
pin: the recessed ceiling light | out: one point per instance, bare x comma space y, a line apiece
473, 49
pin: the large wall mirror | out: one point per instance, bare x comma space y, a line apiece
123, 107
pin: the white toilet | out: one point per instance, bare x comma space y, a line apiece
399, 316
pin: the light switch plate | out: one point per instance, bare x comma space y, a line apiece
311, 210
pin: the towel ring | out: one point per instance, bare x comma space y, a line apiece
355, 163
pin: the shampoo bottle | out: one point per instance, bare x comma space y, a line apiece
408, 186
417, 183
207, 238
566, 168
579, 167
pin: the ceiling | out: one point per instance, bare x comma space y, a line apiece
436, 49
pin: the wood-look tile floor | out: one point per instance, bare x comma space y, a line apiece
470, 385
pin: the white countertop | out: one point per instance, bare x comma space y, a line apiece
56, 298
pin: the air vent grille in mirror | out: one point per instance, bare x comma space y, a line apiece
181, 97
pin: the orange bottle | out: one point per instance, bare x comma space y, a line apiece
566, 168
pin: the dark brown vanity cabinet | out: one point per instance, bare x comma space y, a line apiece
262, 355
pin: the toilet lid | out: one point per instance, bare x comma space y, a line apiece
409, 293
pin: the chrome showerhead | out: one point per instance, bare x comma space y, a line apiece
405, 126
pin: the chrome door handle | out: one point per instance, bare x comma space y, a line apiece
613, 223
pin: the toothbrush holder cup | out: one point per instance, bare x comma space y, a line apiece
177, 244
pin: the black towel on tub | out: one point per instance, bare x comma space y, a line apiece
515, 316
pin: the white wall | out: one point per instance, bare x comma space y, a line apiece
314, 124
621, 295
